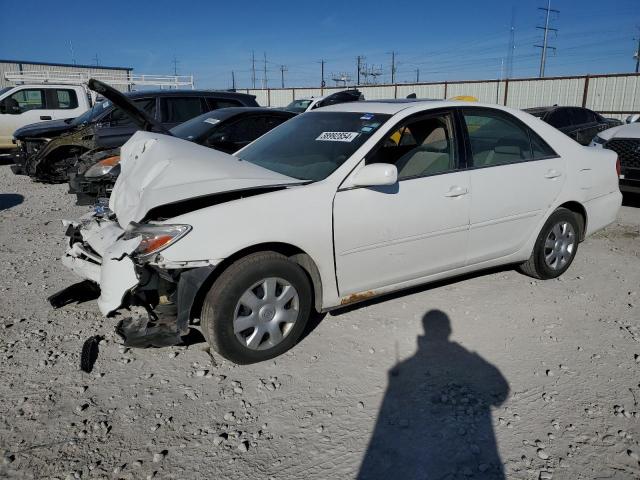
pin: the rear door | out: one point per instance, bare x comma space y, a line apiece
515, 177
115, 128
175, 110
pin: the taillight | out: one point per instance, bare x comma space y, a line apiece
618, 168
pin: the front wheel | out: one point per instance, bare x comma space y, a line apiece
257, 309
555, 247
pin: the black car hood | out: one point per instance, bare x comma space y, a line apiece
139, 117
48, 129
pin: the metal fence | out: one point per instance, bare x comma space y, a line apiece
615, 95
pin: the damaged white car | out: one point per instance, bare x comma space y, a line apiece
333, 207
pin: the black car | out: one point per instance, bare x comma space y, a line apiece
579, 123
106, 126
227, 130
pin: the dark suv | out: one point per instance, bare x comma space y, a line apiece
579, 123
106, 126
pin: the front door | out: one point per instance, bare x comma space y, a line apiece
418, 227
21, 108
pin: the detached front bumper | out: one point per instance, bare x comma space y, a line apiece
96, 253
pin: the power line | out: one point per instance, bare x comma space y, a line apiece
546, 28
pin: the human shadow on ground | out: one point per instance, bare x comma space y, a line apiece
435, 420
8, 200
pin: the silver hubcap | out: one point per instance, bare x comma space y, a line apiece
266, 313
559, 245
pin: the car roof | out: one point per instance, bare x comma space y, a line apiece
393, 106
186, 93
225, 113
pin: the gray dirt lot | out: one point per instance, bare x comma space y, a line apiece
561, 359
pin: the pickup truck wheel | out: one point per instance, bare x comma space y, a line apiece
257, 308
555, 247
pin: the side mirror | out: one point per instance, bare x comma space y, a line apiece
376, 174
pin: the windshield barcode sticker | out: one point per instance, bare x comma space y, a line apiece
337, 136
212, 121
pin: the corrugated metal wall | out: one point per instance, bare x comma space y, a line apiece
614, 95
15, 67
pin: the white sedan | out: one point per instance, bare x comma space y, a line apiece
333, 207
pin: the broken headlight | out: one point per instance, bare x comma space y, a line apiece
155, 238
108, 165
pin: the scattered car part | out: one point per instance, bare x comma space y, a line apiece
89, 353
345, 203
77, 293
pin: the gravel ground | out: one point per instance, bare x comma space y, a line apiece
488, 376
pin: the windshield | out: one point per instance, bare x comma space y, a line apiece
313, 145
91, 114
5, 89
298, 106
196, 127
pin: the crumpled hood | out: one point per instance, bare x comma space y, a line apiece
157, 170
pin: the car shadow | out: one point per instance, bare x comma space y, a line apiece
435, 419
9, 200
631, 200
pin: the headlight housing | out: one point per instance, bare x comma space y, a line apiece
155, 238
108, 165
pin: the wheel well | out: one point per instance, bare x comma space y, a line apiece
293, 253
580, 212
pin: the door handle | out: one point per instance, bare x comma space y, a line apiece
551, 174
45, 117
456, 191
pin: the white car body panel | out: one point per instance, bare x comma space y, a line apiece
384, 239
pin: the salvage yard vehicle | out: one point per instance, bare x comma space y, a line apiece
306, 104
579, 123
50, 161
327, 210
625, 141
28, 104
226, 129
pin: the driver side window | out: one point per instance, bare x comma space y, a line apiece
419, 148
27, 99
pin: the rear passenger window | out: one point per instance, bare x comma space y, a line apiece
181, 109
419, 148
496, 139
223, 103
66, 99
540, 148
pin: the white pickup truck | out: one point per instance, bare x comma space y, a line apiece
25, 104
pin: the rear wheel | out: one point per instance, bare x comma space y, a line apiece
257, 309
555, 247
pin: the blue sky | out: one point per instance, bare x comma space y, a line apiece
453, 40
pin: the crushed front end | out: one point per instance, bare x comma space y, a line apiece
123, 264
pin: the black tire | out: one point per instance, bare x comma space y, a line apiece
219, 306
536, 266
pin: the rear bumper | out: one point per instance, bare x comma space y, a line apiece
602, 211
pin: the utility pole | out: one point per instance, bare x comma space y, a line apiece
393, 67
417, 75
637, 56
546, 28
175, 66
253, 69
283, 68
233, 80
95, 59
359, 59
264, 78
73, 58
512, 44
322, 62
